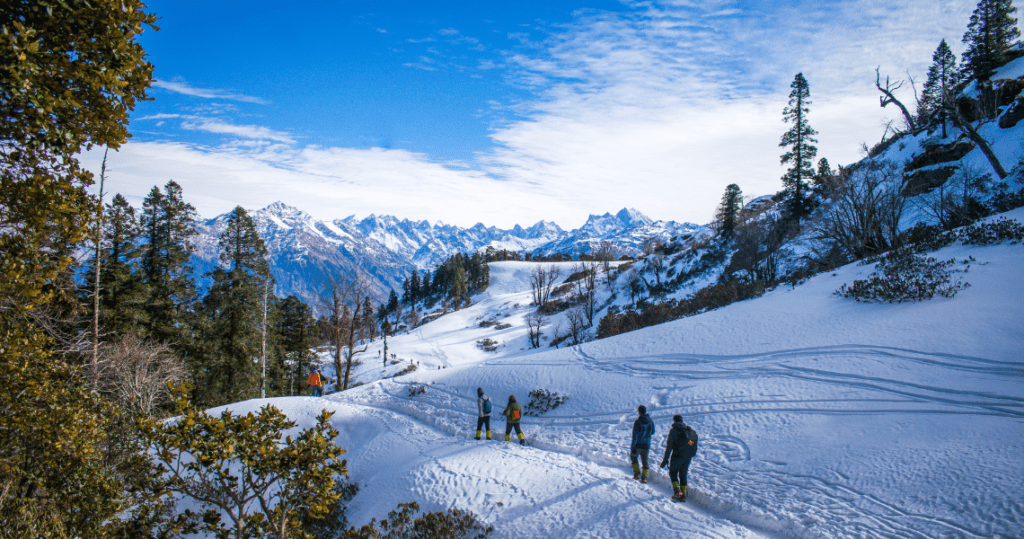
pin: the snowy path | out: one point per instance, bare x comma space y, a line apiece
818, 416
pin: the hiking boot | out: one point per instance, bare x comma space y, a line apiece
522, 442
636, 475
643, 480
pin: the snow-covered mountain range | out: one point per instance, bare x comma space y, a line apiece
305, 250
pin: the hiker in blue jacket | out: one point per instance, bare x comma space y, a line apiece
643, 429
483, 410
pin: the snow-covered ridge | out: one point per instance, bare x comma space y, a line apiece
304, 249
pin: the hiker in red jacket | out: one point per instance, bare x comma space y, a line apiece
316, 383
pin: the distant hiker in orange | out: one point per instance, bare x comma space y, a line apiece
316, 383
513, 412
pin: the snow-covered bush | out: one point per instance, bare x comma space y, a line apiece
905, 277
542, 400
411, 368
417, 389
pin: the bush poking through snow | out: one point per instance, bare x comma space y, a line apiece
905, 277
451, 524
487, 345
417, 389
410, 369
542, 400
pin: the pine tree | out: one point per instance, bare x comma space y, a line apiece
234, 308
989, 35
799, 139
729, 210
414, 287
393, 302
296, 332
168, 224
123, 297
943, 76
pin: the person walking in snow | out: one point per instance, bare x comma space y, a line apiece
316, 383
483, 411
513, 413
643, 429
680, 447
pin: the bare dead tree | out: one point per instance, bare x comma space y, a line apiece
577, 324
888, 96
137, 372
342, 299
534, 322
98, 239
542, 281
949, 106
864, 210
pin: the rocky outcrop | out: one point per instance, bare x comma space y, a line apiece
943, 153
1013, 115
922, 181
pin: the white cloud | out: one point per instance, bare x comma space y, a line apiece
245, 131
658, 108
209, 93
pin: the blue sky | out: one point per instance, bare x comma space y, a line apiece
508, 112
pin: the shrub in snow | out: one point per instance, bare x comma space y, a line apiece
417, 389
487, 345
905, 277
407, 370
451, 524
542, 400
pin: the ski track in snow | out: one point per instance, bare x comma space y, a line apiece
826, 504
819, 417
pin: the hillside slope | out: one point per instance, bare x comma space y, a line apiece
819, 416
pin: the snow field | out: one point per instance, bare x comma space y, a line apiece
818, 416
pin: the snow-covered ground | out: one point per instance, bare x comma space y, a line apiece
818, 416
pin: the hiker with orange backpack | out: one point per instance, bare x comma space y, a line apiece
513, 413
316, 383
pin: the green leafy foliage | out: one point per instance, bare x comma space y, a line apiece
403, 524
905, 277
244, 468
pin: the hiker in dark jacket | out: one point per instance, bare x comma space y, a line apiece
513, 412
643, 429
680, 447
483, 411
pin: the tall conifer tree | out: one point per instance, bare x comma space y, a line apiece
234, 307
124, 294
729, 210
988, 38
168, 224
943, 77
800, 141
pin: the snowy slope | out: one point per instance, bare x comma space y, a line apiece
819, 416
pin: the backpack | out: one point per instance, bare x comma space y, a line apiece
487, 406
691, 441
314, 379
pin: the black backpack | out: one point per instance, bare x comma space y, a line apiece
690, 447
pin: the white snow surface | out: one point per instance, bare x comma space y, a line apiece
818, 416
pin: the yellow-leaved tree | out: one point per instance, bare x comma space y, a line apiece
71, 71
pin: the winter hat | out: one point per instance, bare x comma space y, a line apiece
677, 419
511, 398
480, 391
642, 409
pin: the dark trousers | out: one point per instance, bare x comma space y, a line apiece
510, 426
641, 452
678, 468
484, 420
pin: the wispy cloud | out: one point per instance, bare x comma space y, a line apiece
246, 131
209, 93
